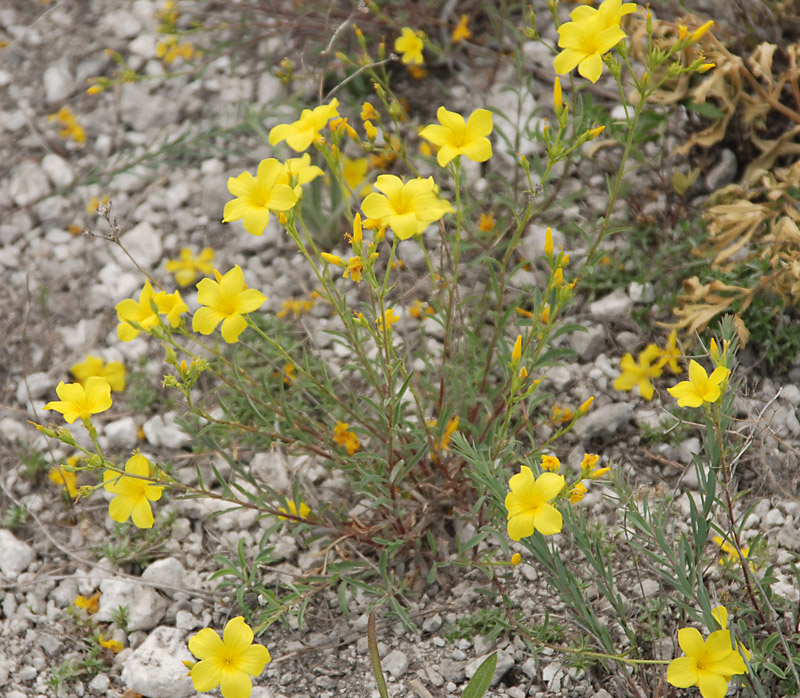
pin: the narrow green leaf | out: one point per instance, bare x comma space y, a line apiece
374, 657
480, 681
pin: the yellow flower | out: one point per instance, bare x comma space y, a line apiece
370, 130
300, 134
346, 438
114, 645
355, 267
450, 428
186, 267
730, 549
65, 478
256, 197
171, 305
720, 614
486, 223
81, 402
456, 137
389, 317
113, 371
461, 31
410, 45
354, 173
90, 605
296, 307
71, 128
671, 353
591, 34
708, 664
406, 207
700, 388
561, 415
550, 463
368, 113
305, 510
225, 300
170, 50
639, 374
139, 312
577, 493
133, 492
299, 171
528, 504
228, 662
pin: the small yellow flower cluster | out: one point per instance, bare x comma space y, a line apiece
70, 128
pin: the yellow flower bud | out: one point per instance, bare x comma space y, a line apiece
516, 558
558, 100
697, 34
586, 406
516, 354
548, 242
333, 259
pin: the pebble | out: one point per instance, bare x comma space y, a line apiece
143, 243
163, 431
395, 663
58, 170
35, 385
588, 345
641, 293
146, 607
28, 184
122, 434
168, 572
17, 555
604, 421
615, 306
156, 667
58, 82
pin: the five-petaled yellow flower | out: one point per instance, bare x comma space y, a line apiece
141, 312
186, 267
225, 300
528, 504
300, 134
406, 207
708, 664
133, 492
299, 171
79, 401
591, 33
456, 137
410, 45
257, 196
700, 388
228, 662
113, 371
639, 374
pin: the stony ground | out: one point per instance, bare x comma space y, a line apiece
151, 149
